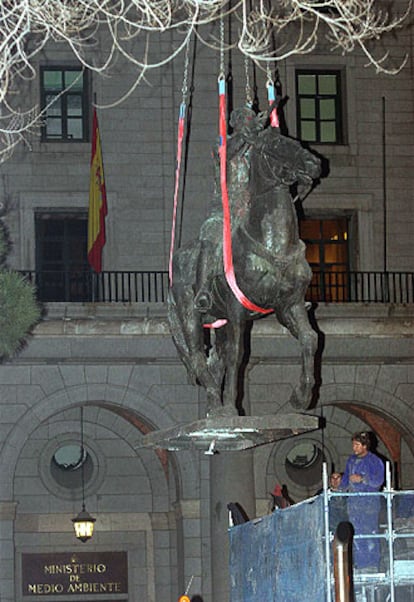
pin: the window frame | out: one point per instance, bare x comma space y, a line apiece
329, 278
64, 278
63, 99
340, 138
322, 242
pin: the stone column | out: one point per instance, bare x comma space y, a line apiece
189, 545
7, 568
231, 480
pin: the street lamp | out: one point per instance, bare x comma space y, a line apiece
83, 523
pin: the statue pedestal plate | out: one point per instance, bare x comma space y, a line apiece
231, 433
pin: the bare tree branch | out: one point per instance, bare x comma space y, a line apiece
26, 26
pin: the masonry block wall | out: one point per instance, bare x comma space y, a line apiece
118, 362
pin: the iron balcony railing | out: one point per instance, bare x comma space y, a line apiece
79, 286
362, 287
152, 286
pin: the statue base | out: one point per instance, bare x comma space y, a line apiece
230, 433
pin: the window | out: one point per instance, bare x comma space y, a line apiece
304, 463
60, 464
62, 270
65, 465
66, 117
319, 107
328, 255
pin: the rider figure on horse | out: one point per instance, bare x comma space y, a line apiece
266, 172
246, 126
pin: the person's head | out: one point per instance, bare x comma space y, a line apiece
242, 117
277, 491
335, 480
361, 443
246, 123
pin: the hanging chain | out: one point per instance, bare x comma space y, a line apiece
269, 81
184, 88
249, 97
221, 69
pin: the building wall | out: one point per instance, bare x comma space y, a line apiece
118, 361
126, 375
369, 177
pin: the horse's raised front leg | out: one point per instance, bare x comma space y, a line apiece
296, 320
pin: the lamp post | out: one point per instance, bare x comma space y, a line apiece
83, 523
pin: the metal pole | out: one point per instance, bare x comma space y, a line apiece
390, 532
327, 534
384, 185
342, 572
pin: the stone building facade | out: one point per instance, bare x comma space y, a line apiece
117, 361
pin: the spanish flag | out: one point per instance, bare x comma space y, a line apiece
97, 202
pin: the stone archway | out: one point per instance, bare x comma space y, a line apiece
372, 408
125, 401
385, 428
178, 473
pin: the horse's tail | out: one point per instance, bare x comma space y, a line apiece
184, 263
178, 337
175, 323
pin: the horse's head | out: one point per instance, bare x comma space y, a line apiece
286, 160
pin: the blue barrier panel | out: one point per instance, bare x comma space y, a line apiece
280, 557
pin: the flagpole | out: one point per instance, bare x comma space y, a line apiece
92, 269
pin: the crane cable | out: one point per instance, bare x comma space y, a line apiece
180, 136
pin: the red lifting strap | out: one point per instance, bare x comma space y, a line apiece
274, 118
227, 245
180, 136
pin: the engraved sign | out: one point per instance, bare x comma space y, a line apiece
74, 573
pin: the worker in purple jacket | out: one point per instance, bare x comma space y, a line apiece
364, 472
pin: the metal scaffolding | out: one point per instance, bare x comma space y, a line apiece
290, 553
393, 581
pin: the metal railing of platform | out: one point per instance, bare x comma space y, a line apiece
289, 554
393, 579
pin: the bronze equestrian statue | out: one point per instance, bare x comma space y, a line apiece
269, 261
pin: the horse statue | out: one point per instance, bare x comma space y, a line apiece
270, 270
